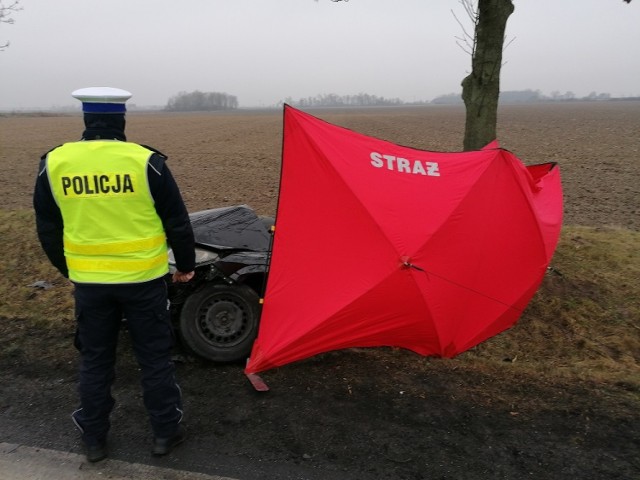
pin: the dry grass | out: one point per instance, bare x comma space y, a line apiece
584, 321
24, 263
583, 324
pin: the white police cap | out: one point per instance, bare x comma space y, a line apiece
102, 99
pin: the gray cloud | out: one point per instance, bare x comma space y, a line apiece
263, 51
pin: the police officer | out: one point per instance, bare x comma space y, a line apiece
105, 211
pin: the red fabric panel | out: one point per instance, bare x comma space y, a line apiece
379, 244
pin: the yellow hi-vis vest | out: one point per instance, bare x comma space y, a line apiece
112, 233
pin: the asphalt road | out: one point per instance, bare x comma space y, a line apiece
52, 450
20, 462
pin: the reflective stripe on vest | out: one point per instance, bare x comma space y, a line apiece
112, 233
115, 247
114, 265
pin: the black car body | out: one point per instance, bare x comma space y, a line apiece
218, 311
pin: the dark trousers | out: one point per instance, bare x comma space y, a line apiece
99, 313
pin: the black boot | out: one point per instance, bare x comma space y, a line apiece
164, 446
96, 452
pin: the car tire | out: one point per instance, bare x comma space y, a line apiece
220, 322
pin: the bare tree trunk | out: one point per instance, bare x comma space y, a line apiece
481, 88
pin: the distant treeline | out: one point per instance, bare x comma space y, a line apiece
529, 96
367, 100
333, 100
201, 102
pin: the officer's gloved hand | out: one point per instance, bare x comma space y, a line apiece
182, 276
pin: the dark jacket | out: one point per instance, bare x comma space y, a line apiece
168, 204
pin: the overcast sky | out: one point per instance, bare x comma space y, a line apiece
263, 51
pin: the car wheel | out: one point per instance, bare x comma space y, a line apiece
220, 322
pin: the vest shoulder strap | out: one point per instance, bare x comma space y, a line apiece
154, 151
44, 155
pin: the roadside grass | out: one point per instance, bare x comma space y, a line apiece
24, 263
583, 324
584, 321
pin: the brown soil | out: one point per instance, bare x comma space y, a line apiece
359, 413
227, 159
